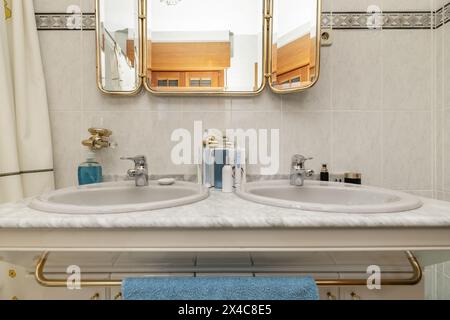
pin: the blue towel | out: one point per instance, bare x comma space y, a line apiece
220, 288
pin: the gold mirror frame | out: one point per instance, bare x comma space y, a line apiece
266, 22
267, 57
98, 49
318, 47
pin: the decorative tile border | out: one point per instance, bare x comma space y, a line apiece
335, 20
65, 21
442, 16
384, 20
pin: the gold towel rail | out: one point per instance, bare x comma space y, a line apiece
415, 278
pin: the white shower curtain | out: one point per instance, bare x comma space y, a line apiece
26, 163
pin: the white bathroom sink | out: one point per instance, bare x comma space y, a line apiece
328, 197
119, 197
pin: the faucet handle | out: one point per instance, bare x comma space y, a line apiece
138, 160
300, 160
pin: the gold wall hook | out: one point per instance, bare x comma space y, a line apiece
99, 138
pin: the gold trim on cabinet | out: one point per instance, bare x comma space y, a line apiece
416, 277
318, 47
98, 58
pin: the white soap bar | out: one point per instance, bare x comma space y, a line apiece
166, 181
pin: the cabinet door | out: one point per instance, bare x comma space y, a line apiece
31, 290
325, 293
386, 293
115, 293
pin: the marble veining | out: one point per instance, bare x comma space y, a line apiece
226, 211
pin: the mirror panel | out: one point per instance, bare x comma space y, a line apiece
295, 45
118, 36
205, 46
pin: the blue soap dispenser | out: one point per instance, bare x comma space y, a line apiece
90, 171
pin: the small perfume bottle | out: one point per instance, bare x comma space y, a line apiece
324, 174
90, 171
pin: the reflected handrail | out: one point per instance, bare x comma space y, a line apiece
116, 45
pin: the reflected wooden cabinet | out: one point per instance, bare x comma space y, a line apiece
193, 65
187, 79
294, 62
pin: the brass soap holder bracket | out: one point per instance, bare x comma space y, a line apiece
100, 138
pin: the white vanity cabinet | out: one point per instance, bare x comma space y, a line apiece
17, 280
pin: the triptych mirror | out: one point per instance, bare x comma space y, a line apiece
207, 47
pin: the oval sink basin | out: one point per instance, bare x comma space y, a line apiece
119, 197
328, 197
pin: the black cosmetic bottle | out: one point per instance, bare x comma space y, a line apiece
324, 174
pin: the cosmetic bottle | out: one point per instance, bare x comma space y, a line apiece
227, 176
238, 171
90, 171
209, 144
324, 174
353, 178
220, 156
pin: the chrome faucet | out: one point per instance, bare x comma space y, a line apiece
140, 171
298, 171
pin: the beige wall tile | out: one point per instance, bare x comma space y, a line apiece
204, 104
309, 134
67, 149
354, 5
258, 120
317, 97
407, 150
405, 5
88, 6
446, 151
266, 101
439, 65
149, 133
421, 193
407, 69
49, 6
446, 65
357, 145
439, 150
356, 70
61, 57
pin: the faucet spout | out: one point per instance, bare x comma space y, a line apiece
140, 171
298, 171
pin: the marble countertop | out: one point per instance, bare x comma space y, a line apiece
226, 211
